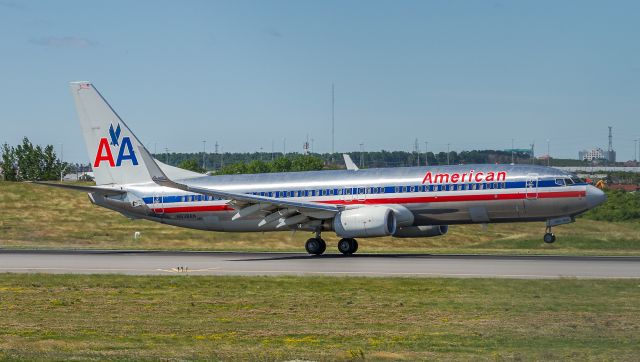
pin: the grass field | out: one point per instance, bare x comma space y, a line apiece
62, 317
33, 216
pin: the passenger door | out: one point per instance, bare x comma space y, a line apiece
531, 187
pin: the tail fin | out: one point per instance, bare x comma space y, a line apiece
111, 145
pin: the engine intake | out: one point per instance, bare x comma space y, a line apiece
368, 221
424, 231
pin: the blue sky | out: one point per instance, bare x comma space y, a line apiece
475, 74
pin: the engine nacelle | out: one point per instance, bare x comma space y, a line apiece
368, 221
425, 231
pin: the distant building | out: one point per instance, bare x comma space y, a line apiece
593, 154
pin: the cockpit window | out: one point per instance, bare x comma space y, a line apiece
576, 179
569, 181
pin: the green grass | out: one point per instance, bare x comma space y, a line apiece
62, 317
34, 216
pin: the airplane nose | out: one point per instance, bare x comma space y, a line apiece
595, 196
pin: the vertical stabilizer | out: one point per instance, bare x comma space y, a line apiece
111, 145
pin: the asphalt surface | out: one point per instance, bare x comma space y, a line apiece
401, 265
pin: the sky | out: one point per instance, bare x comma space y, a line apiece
251, 74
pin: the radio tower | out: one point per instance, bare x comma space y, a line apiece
611, 154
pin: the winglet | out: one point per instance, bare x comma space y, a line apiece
349, 162
157, 175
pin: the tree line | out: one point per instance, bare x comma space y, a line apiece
220, 162
289, 163
27, 162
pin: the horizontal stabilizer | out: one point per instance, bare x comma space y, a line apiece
101, 190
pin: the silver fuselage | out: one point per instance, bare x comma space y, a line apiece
514, 193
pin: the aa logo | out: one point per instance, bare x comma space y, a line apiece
123, 147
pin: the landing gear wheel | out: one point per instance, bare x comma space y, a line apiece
549, 238
315, 246
354, 246
347, 246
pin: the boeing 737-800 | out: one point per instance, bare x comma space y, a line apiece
400, 202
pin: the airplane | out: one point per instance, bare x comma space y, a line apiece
403, 202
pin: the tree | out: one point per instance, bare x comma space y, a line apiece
282, 164
306, 163
8, 164
257, 166
27, 162
191, 165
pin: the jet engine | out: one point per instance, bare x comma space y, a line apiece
424, 231
368, 221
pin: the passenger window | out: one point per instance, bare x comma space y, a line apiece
560, 182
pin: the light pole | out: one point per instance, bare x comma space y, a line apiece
62, 160
426, 153
635, 153
548, 154
362, 155
512, 151
204, 152
448, 152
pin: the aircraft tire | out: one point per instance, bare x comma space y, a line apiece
315, 246
549, 238
345, 246
354, 246
323, 246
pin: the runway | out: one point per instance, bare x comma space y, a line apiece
398, 265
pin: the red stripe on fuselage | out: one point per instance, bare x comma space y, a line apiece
400, 200
459, 198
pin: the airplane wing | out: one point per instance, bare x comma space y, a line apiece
286, 211
97, 189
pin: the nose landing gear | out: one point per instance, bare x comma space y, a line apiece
549, 237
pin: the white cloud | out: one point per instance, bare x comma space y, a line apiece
63, 42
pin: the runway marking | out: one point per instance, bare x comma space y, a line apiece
79, 269
186, 270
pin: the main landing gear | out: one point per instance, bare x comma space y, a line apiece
317, 246
347, 246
